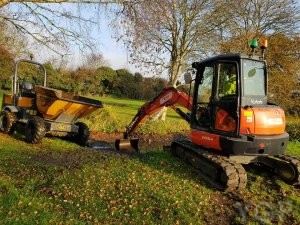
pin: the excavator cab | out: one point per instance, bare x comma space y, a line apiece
216, 96
230, 109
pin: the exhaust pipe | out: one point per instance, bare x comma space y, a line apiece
128, 145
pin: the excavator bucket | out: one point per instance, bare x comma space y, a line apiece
127, 145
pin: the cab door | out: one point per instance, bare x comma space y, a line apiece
203, 92
224, 104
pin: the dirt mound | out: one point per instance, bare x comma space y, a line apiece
145, 141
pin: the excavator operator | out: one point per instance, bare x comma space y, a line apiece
230, 83
224, 121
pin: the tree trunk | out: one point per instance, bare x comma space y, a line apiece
160, 115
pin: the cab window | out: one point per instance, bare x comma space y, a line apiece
254, 78
204, 97
227, 79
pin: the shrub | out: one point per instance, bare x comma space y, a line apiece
104, 120
293, 128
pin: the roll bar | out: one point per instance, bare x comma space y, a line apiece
14, 88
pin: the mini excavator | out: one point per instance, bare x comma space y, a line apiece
232, 123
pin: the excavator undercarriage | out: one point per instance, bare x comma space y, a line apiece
227, 173
285, 166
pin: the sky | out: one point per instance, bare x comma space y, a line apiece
114, 51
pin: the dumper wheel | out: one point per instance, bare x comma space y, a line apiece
82, 135
7, 121
35, 130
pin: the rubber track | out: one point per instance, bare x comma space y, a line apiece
240, 171
235, 173
295, 162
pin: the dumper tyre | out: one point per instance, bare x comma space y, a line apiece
83, 134
35, 130
7, 122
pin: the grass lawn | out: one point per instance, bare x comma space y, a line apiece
58, 182
118, 113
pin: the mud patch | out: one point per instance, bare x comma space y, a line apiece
146, 142
100, 145
75, 159
70, 160
101, 136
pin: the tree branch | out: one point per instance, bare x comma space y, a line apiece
5, 2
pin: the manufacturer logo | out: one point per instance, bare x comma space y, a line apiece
256, 102
166, 98
61, 127
207, 138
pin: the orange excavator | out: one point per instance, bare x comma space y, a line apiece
232, 123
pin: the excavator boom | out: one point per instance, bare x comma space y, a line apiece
167, 98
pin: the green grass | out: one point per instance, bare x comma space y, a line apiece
1, 97
59, 182
292, 119
294, 148
118, 113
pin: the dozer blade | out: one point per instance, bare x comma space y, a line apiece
127, 145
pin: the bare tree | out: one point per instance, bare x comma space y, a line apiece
250, 19
10, 39
163, 34
56, 26
94, 61
277, 21
5, 2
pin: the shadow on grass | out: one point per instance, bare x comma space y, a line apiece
103, 153
259, 174
44, 169
166, 162
76, 159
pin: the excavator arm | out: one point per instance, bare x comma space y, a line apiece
168, 97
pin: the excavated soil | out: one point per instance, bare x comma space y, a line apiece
148, 142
